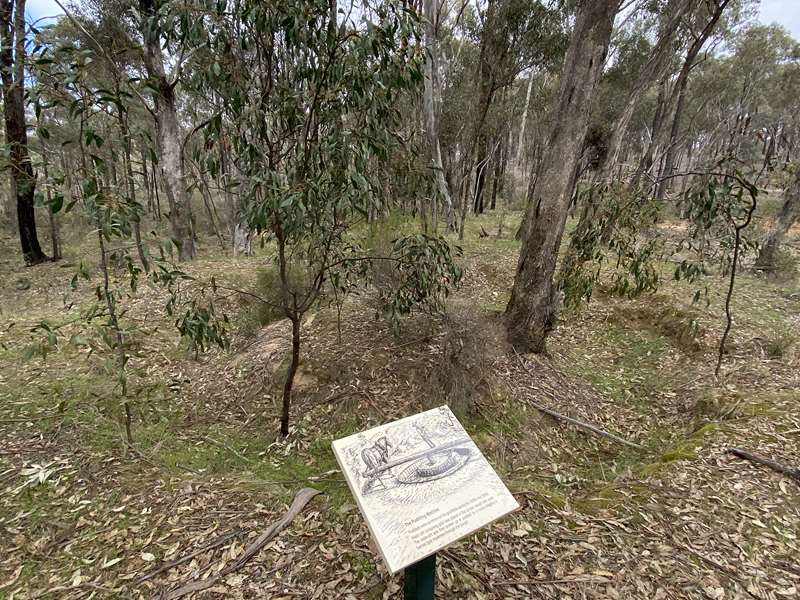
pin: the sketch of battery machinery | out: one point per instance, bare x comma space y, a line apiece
440, 459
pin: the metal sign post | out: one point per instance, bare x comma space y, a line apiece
419, 579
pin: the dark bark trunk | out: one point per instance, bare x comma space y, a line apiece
289, 382
131, 190
531, 311
23, 181
498, 179
55, 230
146, 183
154, 173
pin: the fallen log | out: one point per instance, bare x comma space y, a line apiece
300, 500
792, 472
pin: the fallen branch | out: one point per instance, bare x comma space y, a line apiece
179, 561
576, 422
564, 580
792, 472
300, 500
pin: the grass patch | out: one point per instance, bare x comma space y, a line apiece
685, 449
629, 367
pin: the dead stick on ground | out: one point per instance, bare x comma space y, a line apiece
179, 561
577, 422
775, 466
300, 500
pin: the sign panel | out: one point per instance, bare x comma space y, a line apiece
421, 484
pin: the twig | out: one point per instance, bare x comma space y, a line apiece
179, 561
577, 422
575, 579
300, 500
792, 472
721, 568
448, 554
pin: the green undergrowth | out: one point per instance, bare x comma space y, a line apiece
622, 363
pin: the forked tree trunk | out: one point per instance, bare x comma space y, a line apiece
23, 182
531, 311
168, 136
790, 212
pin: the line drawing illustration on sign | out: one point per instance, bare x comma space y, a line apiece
438, 460
421, 483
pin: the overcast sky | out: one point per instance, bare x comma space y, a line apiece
785, 12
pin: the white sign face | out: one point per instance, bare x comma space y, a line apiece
421, 484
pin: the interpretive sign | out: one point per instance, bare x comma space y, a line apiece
422, 484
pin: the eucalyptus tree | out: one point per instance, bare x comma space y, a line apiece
787, 216
64, 83
12, 73
156, 25
650, 71
515, 36
431, 101
532, 308
308, 95
677, 100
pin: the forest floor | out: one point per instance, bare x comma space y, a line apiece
82, 516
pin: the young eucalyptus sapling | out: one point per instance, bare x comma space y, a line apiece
307, 109
65, 87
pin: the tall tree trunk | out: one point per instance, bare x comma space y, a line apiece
146, 182
679, 94
168, 135
790, 212
521, 141
429, 106
23, 182
650, 72
532, 309
55, 232
130, 188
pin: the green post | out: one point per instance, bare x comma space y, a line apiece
419, 579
